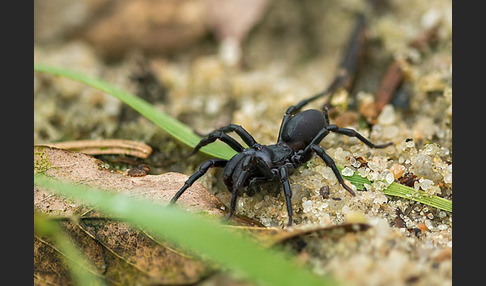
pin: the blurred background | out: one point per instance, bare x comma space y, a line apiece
212, 62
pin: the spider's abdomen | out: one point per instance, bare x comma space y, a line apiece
302, 128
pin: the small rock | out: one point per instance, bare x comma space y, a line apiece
387, 115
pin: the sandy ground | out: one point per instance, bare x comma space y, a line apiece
287, 57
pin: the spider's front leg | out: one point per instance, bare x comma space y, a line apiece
244, 135
284, 173
238, 183
220, 134
239, 179
202, 170
213, 136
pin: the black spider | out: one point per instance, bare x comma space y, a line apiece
299, 136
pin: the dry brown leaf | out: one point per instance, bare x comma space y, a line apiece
76, 167
123, 254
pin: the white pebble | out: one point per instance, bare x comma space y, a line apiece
347, 172
387, 115
410, 144
307, 206
426, 183
448, 178
442, 227
389, 178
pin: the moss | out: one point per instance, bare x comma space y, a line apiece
41, 161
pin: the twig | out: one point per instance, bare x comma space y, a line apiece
349, 63
395, 74
108, 146
389, 84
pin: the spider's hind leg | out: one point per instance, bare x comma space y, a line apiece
352, 133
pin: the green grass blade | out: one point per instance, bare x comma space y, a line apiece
172, 126
203, 236
402, 191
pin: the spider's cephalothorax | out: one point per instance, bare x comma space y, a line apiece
299, 137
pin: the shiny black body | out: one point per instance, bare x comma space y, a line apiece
299, 137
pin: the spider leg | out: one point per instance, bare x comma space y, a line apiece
284, 179
327, 159
213, 136
330, 163
325, 110
202, 170
244, 135
345, 131
352, 133
323, 133
238, 184
234, 195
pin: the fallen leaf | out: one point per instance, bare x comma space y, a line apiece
122, 254
76, 167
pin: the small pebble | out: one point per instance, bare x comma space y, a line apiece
347, 172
